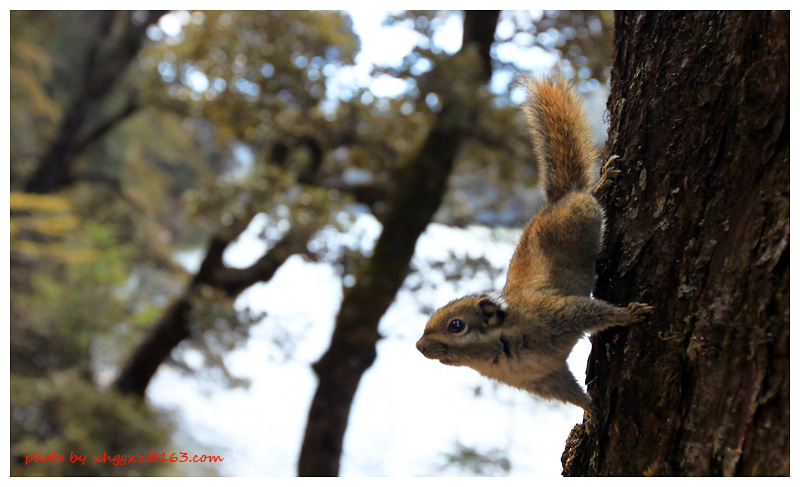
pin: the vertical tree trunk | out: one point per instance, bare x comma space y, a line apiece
108, 58
412, 204
698, 226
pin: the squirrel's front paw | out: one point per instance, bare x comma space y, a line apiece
639, 311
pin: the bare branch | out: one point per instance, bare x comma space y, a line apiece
106, 126
173, 326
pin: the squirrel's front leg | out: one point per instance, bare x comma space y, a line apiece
569, 318
596, 314
565, 319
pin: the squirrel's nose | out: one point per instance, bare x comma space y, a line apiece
421, 346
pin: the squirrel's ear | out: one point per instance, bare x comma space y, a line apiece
491, 311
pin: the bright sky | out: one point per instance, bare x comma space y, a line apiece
377, 51
386, 46
409, 411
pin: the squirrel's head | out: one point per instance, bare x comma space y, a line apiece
455, 334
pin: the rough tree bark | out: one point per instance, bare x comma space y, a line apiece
416, 198
698, 226
108, 58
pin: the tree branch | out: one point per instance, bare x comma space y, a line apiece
105, 65
101, 130
174, 325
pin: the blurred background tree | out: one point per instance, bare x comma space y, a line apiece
136, 136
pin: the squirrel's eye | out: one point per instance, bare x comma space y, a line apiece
456, 326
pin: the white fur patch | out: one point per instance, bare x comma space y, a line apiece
498, 299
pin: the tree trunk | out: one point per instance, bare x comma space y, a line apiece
416, 198
698, 226
108, 58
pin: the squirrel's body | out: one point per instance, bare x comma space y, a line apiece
522, 336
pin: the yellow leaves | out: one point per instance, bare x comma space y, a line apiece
55, 225
41, 226
57, 251
31, 103
48, 214
47, 203
32, 57
26, 85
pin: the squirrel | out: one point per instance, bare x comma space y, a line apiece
523, 335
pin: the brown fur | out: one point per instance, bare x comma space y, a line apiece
523, 336
561, 137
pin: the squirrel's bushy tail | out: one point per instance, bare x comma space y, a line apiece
561, 137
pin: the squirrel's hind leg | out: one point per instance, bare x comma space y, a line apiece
607, 175
561, 385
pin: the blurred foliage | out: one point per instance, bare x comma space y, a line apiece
218, 329
64, 414
253, 75
582, 38
499, 152
40, 226
52, 327
66, 276
493, 462
236, 114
